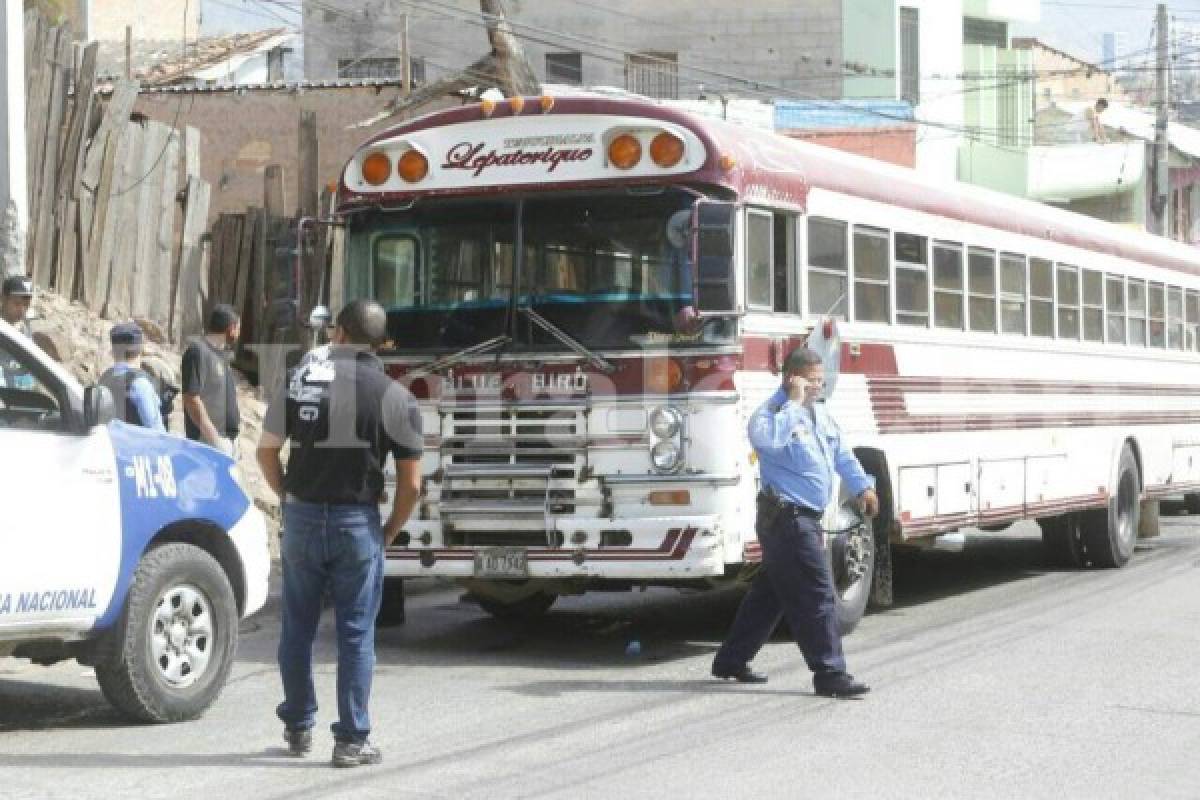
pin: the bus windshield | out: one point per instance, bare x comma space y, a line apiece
611, 270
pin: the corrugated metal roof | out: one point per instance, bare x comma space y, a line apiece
275, 86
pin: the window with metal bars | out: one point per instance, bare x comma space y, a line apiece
653, 73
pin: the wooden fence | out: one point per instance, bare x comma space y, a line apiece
118, 211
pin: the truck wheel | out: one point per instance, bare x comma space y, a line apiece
852, 562
1062, 538
169, 654
528, 607
391, 610
1109, 535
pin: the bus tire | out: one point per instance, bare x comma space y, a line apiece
1062, 538
528, 607
852, 563
170, 652
1110, 534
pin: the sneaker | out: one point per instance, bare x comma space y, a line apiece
356, 754
299, 742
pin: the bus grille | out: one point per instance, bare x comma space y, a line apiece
512, 436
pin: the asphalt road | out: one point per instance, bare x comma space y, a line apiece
993, 677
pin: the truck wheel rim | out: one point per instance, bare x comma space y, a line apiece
181, 635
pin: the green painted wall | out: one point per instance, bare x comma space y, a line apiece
869, 38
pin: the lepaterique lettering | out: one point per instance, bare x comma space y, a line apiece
471, 156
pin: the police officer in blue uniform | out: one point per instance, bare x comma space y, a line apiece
799, 448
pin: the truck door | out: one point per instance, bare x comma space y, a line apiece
60, 527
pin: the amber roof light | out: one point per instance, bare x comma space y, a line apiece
412, 166
625, 151
376, 169
666, 149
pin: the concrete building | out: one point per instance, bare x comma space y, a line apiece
153, 20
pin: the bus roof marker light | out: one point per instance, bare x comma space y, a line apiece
625, 151
727, 162
376, 168
547, 103
412, 166
517, 103
666, 150
487, 106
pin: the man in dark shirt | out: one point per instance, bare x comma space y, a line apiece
343, 416
210, 404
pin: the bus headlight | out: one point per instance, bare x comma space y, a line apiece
666, 456
665, 422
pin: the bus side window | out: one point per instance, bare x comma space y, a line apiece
1158, 316
1041, 298
1175, 318
912, 279
1115, 298
872, 300
785, 261
827, 267
1192, 320
1012, 293
948, 286
1137, 312
394, 271
1093, 306
760, 227
981, 286
1068, 302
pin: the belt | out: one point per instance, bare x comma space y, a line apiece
796, 509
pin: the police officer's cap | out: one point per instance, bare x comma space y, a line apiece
17, 286
126, 333
801, 359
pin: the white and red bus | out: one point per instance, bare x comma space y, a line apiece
589, 296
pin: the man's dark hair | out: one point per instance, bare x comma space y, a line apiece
800, 359
221, 318
1101, 104
364, 322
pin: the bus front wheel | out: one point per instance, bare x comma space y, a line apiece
852, 562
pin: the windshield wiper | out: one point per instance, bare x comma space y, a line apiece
566, 339
462, 355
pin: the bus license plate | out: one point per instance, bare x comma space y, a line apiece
501, 562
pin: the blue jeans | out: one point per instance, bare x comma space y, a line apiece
339, 549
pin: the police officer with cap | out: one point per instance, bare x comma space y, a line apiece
133, 392
16, 295
799, 448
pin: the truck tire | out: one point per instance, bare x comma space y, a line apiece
1110, 534
1062, 538
852, 562
528, 607
169, 655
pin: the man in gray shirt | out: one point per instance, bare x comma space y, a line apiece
210, 404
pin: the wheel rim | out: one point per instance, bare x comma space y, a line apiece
855, 564
181, 635
1127, 512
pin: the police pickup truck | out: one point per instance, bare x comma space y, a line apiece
131, 551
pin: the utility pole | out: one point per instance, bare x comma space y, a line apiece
14, 186
405, 56
1162, 174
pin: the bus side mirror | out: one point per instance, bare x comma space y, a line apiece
98, 408
716, 262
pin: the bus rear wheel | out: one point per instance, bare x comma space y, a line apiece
1109, 534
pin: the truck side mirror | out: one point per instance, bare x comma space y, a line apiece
716, 262
98, 408
319, 318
